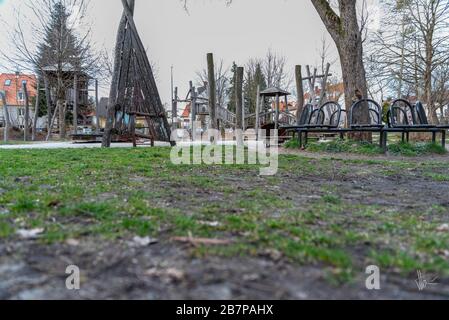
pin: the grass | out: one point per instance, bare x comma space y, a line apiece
366, 148
117, 193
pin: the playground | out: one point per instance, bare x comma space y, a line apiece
359, 182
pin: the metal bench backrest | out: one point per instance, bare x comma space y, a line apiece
329, 114
401, 114
371, 109
306, 115
420, 114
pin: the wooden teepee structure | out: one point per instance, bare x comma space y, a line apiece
133, 89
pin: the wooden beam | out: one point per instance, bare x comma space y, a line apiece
258, 112
324, 85
36, 111
239, 98
75, 104
300, 92
27, 113
7, 119
212, 91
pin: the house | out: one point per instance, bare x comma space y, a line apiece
334, 92
11, 85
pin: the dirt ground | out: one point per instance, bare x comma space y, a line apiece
165, 269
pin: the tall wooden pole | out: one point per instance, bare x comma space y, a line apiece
239, 98
175, 109
239, 106
212, 91
26, 126
324, 85
49, 104
96, 104
300, 93
193, 109
6, 116
258, 112
276, 115
75, 104
36, 110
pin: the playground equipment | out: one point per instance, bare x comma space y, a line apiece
134, 95
202, 106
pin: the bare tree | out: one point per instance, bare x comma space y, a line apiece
410, 55
274, 67
221, 82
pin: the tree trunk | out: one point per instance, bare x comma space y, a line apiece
62, 124
345, 31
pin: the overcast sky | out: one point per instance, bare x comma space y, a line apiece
246, 29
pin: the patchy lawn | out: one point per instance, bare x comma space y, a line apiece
308, 232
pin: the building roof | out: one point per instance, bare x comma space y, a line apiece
272, 92
11, 86
186, 112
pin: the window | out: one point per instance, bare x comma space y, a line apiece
24, 82
8, 82
20, 96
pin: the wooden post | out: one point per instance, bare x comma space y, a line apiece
312, 79
212, 91
276, 115
36, 111
324, 85
96, 105
193, 109
75, 104
26, 126
300, 93
239, 98
257, 113
6, 116
48, 102
174, 110
243, 114
239, 107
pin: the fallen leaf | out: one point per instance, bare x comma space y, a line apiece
210, 223
202, 241
143, 242
72, 242
170, 273
30, 234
